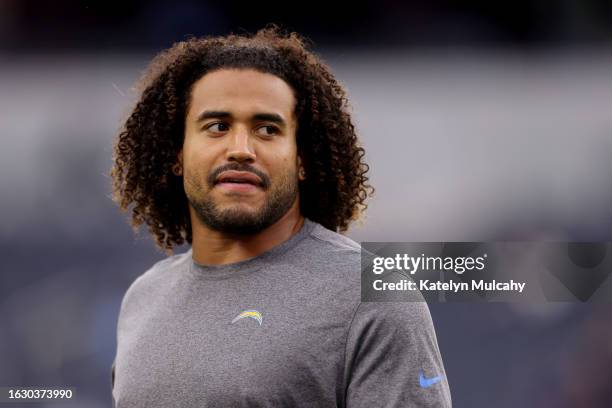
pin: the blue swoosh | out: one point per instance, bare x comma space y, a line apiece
428, 382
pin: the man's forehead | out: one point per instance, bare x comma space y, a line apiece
242, 89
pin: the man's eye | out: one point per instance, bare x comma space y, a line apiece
217, 127
267, 130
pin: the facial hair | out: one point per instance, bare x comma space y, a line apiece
279, 197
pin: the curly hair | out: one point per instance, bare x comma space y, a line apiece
333, 194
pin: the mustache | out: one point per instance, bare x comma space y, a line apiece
212, 177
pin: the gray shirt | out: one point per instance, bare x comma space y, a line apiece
283, 329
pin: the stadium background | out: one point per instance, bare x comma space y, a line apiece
481, 121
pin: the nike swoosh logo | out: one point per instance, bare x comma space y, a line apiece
428, 382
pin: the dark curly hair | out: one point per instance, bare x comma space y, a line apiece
146, 148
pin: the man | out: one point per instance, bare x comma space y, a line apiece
243, 147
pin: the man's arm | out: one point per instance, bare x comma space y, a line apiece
392, 358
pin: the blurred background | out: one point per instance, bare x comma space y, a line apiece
481, 121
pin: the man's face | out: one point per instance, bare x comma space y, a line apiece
239, 156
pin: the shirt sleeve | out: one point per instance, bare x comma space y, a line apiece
392, 358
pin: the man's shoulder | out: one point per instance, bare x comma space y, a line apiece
333, 239
157, 276
329, 250
327, 242
329, 257
163, 267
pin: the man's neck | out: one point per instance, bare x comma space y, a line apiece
210, 247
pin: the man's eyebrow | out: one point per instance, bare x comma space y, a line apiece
269, 117
213, 115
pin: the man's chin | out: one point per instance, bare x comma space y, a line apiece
237, 218
239, 210
238, 224
243, 216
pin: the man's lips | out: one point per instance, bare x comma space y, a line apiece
239, 178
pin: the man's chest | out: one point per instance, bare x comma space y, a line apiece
255, 353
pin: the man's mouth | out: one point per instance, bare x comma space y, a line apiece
239, 180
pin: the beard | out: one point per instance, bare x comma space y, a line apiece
237, 220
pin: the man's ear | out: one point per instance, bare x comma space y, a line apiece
301, 169
177, 168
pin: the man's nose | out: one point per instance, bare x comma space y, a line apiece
240, 148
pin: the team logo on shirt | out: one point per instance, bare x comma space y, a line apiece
253, 314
